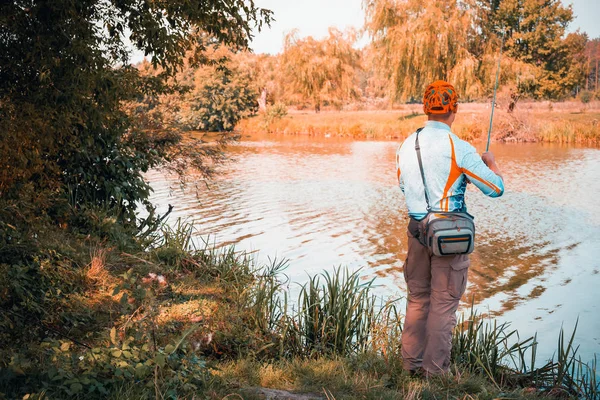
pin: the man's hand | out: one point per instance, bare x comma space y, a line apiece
488, 158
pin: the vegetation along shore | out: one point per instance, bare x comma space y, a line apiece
103, 298
572, 123
101, 314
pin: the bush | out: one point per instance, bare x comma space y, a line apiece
221, 98
586, 96
273, 114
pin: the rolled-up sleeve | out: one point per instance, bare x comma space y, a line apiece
480, 175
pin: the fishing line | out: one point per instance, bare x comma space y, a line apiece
495, 90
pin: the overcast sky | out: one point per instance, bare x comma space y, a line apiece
314, 17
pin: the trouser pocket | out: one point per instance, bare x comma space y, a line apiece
457, 279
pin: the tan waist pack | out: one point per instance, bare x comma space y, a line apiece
449, 233
445, 233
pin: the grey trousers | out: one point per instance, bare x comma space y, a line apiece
435, 286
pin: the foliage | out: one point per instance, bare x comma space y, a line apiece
119, 327
535, 34
416, 45
318, 71
65, 75
586, 96
221, 96
67, 367
272, 114
459, 41
592, 53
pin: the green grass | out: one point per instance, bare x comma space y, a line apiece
218, 324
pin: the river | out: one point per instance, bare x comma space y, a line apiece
325, 202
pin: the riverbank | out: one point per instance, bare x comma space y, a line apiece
106, 315
535, 122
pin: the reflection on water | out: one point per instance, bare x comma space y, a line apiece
324, 202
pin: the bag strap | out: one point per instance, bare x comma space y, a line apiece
418, 149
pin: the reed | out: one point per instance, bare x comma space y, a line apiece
337, 314
173, 244
494, 350
236, 270
267, 297
483, 346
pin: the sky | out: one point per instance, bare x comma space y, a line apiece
314, 17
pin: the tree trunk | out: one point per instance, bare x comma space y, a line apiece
596, 74
587, 81
262, 102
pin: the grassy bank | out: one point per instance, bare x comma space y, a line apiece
97, 316
569, 123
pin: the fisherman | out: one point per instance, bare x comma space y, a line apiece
436, 283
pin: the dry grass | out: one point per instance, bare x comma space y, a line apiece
358, 378
190, 311
97, 268
569, 122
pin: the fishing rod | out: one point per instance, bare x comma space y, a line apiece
495, 90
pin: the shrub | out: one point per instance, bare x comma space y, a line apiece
273, 114
221, 98
586, 96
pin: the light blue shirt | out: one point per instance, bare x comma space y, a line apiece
449, 164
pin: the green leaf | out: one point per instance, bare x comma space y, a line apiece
76, 388
124, 299
169, 349
160, 360
140, 370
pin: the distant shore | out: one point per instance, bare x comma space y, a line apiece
567, 122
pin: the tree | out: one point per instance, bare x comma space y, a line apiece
324, 70
418, 43
592, 54
220, 97
535, 34
64, 77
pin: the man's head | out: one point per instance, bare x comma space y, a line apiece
440, 102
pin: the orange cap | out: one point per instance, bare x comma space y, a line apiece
440, 98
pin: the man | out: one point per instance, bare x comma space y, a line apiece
436, 284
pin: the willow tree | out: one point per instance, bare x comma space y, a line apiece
321, 70
418, 43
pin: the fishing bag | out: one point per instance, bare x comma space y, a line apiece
445, 233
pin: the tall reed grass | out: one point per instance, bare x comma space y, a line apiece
496, 351
338, 314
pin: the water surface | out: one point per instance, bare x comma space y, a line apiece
326, 202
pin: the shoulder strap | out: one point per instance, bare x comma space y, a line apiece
418, 149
